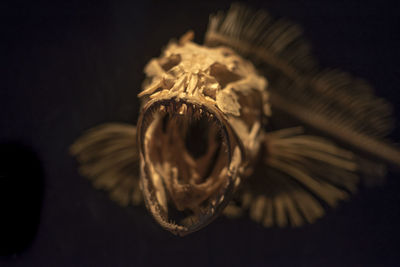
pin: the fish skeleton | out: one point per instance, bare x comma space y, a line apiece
247, 122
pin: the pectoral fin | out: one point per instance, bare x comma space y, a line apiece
108, 156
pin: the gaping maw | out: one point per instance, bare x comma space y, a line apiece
190, 163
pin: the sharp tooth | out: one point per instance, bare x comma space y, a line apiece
200, 111
237, 182
162, 108
182, 110
209, 116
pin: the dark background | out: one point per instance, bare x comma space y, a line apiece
71, 65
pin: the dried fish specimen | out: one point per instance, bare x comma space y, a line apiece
207, 142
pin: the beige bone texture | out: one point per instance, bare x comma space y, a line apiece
207, 142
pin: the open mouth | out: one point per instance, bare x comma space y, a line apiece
190, 157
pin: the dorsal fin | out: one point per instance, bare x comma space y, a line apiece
255, 34
331, 101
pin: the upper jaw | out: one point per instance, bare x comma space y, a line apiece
164, 185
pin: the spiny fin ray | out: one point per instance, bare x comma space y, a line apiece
108, 155
298, 86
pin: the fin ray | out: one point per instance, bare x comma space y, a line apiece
108, 156
331, 101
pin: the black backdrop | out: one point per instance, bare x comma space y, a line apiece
72, 65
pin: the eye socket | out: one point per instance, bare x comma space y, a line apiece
170, 62
224, 76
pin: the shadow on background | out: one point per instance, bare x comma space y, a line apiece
21, 194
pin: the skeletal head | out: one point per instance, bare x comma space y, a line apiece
191, 155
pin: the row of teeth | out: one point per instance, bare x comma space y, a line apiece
184, 109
